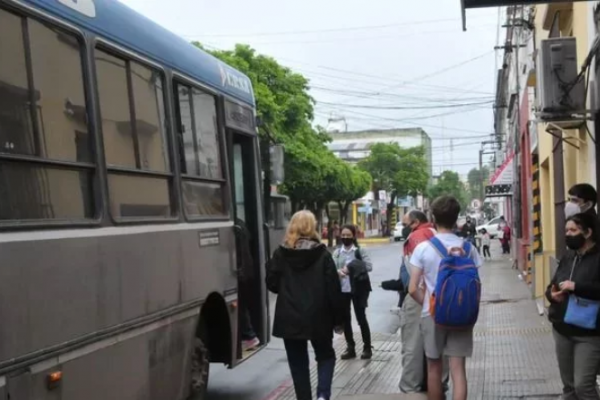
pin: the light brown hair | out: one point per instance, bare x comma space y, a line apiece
302, 225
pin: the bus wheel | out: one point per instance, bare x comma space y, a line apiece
200, 370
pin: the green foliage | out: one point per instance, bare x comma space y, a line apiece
398, 171
449, 184
313, 175
477, 179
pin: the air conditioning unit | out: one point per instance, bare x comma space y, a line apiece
561, 91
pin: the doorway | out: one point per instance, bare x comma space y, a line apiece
252, 312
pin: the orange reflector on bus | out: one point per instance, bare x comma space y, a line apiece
53, 379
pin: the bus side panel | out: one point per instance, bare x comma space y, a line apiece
207, 266
54, 291
116, 372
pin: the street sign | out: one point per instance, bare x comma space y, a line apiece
498, 191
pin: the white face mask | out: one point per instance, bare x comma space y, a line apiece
571, 209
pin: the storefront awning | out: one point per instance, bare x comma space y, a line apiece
504, 174
501, 182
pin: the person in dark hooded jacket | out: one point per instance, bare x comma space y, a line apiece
310, 305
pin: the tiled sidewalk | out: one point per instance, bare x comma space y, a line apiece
514, 350
513, 359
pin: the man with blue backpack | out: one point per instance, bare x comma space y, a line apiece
445, 280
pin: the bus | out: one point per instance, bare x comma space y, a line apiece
127, 156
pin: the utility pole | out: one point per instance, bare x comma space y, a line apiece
481, 194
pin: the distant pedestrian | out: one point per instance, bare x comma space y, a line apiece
486, 242
353, 265
310, 305
504, 235
456, 344
469, 232
574, 295
336, 233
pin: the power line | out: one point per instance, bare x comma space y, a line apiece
373, 107
319, 75
386, 79
362, 93
405, 120
327, 30
440, 71
368, 38
431, 135
424, 117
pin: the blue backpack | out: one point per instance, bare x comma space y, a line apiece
455, 301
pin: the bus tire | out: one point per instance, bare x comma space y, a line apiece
200, 368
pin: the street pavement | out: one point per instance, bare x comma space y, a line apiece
513, 355
264, 373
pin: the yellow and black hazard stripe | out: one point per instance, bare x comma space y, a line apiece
394, 217
537, 206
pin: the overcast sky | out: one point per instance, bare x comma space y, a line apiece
379, 63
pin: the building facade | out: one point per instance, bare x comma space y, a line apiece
550, 152
352, 147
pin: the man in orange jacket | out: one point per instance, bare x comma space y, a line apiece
413, 378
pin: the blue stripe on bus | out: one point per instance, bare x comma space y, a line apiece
118, 23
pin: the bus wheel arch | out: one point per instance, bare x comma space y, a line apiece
214, 329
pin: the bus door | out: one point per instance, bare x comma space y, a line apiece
246, 184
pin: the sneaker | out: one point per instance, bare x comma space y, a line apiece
250, 344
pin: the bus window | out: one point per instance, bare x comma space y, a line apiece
134, 134
200, 153
43, 118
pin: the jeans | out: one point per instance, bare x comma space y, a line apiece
246, 329
578, 362
360, 307
297, 354
414, 368
486, 251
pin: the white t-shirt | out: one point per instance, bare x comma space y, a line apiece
426, 258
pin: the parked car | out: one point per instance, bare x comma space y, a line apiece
397, 233
492, 227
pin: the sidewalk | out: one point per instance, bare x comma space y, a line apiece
513, 357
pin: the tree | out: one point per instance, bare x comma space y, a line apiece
449, 184
354, 184
477, 179
285, 110
400, 172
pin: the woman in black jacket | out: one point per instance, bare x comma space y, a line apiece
576, 284
309, 305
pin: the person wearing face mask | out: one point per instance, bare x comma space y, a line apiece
353, 265
582, 199
574, 296
414, 365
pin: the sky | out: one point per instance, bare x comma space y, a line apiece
379, 64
